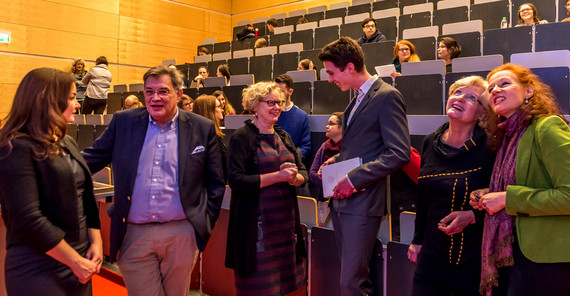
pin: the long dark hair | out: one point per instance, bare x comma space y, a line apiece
37, 111
205, 105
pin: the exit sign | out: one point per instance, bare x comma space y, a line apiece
5, 37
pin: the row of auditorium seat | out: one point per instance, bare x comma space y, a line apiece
393, 23
470, 36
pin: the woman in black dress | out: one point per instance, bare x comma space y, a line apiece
53, 240
265, 244
455, 161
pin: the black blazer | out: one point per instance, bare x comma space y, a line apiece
378, 134
39, 197
200, 175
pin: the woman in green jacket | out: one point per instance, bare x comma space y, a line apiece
526, 236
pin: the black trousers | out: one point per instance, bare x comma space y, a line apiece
97, 106
530, 278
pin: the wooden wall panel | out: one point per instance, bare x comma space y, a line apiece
7, 92
241, 10
49, 42
128, 75
20, 65
166, 13
220, 27
110, 6
144, 31
56, 16
223, 6
140, 54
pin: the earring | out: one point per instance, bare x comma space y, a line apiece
526, 101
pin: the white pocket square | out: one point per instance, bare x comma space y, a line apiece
198, 149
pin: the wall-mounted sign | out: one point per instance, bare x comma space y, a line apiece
5, 36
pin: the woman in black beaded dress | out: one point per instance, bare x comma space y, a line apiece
455, 161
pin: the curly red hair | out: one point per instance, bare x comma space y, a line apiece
541, 104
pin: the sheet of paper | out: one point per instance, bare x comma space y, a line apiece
386, 70
332, 173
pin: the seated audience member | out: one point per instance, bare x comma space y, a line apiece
131, 102
293, 120
210, 107
567, 5
328, 149
528, 16
203, 51
224, 71
247, 32
370, 33
302, 20
260, 43
202, 74
186, 103
455, 161
306, 64
271, 25
172, 66
447, 50
404, 51
227, 107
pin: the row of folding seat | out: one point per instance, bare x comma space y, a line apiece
318, 97
498, 41
390, 23
85, 134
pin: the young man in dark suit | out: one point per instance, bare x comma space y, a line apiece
376, 131
169, 187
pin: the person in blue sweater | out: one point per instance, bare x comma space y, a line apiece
293, 120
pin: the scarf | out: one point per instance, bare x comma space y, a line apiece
331, 149
496, 250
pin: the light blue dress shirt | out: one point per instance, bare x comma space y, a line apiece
156, 194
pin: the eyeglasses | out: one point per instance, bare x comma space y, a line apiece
332, 123
525, 10
279, 103
403, 49
163, 93
186, 104
369, 26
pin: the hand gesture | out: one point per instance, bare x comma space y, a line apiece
84, 269
475, 197
413, 252
395, 74
327, 162
493, 202
290, 165
288, 171
95, 251
343, 189
455, 222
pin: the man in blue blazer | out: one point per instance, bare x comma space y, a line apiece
169, 187
375, 129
